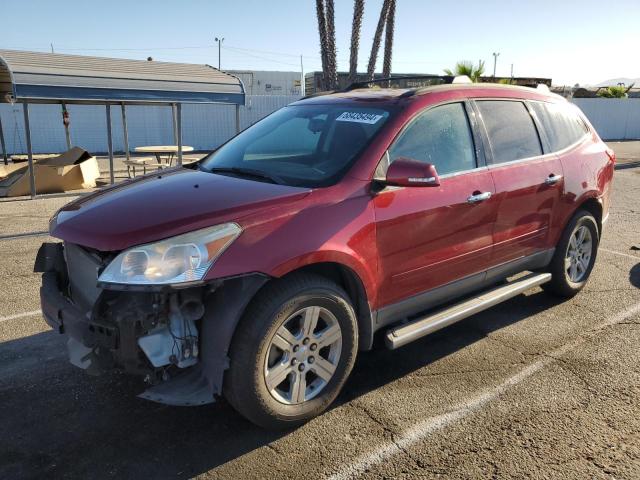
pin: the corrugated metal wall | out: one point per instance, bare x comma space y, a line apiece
207, 126
613, 118
204, 127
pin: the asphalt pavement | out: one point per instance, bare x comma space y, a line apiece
532, 388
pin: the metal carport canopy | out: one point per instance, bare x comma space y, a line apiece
53, 78
36, 77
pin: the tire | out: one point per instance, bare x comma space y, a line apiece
270, 344
563, 282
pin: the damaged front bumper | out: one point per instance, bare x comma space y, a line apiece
177, 339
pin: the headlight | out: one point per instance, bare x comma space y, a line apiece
181, 259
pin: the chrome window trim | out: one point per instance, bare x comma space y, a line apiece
463, 172
489, 166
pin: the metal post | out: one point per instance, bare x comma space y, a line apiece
125, 132
174, 114
110, 144
179, 132
4, 147
219, 40
237, 119
302, 85
27, 133
67, 134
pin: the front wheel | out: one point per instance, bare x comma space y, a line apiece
292, 352
575, 256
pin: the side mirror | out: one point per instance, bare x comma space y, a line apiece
406, 172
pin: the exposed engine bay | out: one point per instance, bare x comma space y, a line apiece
144, 333
153, 334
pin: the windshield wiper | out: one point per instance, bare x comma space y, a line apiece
248, 172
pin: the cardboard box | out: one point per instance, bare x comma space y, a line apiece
72, 170
5, 170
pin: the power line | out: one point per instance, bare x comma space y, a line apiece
241, 50
75, 49
260, 57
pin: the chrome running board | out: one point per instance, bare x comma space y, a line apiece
403, 334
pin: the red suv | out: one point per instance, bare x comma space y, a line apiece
259, 272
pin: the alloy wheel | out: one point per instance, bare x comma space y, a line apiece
303, 355
578, 254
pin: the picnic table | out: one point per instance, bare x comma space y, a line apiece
167, 151
37, 156
159, 151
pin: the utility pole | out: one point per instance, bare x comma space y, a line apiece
301, 77
495, 62
512, 71
219, 40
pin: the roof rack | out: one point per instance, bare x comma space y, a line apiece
415, 81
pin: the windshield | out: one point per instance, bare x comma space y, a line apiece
301, 145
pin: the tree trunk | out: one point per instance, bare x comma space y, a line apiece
358, 11
322, 32
388, 41
332, 73
376, 39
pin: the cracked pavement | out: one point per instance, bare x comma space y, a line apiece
576, 416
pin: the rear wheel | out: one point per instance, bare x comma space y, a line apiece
575, 256
292, 352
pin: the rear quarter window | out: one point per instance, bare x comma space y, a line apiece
511, 130
563, 126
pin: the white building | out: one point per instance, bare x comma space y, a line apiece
262, 82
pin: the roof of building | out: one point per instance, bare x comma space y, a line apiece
52, 77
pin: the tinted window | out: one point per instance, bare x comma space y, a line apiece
562, 125
440, 136
512, 133
301, 145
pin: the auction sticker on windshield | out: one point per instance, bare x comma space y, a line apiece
359, 117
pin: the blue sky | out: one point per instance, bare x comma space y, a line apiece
570, 41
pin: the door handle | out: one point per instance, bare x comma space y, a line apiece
479, 197
552, 179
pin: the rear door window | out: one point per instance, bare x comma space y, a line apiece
511, 130
440, 136
562, 125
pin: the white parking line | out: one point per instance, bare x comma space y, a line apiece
613, 252
16, 236
432, 424
20, 315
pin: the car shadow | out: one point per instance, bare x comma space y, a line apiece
59, 422
627, 165
634, 275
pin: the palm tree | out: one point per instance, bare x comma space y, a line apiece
324, 46
358, 11
388, 40
327, 32
619, 91
382, 20
468, 69
332, 74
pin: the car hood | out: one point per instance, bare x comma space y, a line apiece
160, 206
